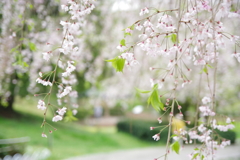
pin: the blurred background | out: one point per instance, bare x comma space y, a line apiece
111, 115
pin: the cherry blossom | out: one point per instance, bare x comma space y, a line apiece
144, 11
41, 105
57, 118
156, 137
44, 135
206, 100
65, 92
62, 111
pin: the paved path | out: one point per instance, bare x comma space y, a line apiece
229, 153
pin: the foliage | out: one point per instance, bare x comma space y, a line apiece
117, 110
140, 129
84, 113
229, 135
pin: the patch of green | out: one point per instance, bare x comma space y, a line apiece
70, 139
237, 129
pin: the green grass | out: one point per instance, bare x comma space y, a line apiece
70, 139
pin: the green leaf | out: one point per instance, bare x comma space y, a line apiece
155, 86
155, 102
173, 38
174, 135
209, 66
122, 42
142, 91
176, 147
120, 64
69, 117
196, 149
154, 99
202, 157
25, 64
127, 34
32, 46
195, 155
30, 6
205, 70
117, 63
132, 27
149, 100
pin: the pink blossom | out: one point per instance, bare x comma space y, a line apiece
206, 100
46, 56
62, 111
128, 30
74, 112
41, 105
44, 135
200, 62
57, 118
156, 137
159, 120
228, 120
151, 128
144, 11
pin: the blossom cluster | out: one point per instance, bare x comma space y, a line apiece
66, 55
193, 35
60, 115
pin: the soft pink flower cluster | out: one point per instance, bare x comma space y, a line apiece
60, 115
69, 49
194, 36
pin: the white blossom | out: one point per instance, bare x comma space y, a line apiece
156, 137
44, 135
206, 100
144, 11
62, 111
74, 112
41, 105
47, 56
57, 118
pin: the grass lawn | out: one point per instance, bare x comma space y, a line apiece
70, 139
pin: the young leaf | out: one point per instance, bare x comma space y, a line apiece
205, 70
117, 63
25, 64
195, 155
120, 64
69, 117
127, 34
209, 66
142, 91
155, 86
196, 149
174, 38
176, 147
122, 42
149, 100
174, 135
154, 99
155, 102
132, 27
32, 46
